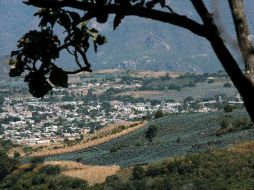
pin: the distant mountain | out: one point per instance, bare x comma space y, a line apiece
137, 44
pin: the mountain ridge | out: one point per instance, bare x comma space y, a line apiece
138, 43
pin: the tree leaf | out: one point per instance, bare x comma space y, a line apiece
38, 85
150, 4
65, 21
162, 3
13, 53
100, 40
58, 77
17, 71
102, 18
74, 16
117, 20
95, 47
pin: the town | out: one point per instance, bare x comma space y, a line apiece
90, 103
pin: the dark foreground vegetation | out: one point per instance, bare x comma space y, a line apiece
221, 169
210, 170
33, 176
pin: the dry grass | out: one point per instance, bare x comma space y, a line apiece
109, 71
150, 94
243, 148
156, 74
90, 143
141, 93
66, 165
24, 166
16, 149
111, 129
91, 173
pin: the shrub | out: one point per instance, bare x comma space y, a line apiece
38, 179
66, 183
16, 154
36, 160
151, 133
112, 179
158, 114
227, 85
51, 170
138, 172
153, 171
180, 167
228, 108
7, 165
79, 159
117, 147
243, 122
226, 127
226, 123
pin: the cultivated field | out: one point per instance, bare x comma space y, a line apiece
155, 74
202, 90
103, 136
177, 135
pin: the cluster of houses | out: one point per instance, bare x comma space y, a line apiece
30, 121
37, 122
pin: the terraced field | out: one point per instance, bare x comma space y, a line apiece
177, 135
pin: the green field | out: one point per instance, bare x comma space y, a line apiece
201, 90
177, 135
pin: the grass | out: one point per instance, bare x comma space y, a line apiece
243, 148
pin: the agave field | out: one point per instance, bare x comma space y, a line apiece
177, 135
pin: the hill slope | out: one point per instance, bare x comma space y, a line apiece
220, 169
177, 135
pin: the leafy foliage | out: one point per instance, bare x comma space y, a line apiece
51, 170
228, 108
151, 133
38, 50
138, 172
211, 170
36, 160
230, 125
7, 165
27, 178
159, 113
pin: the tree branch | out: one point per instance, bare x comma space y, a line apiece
98, 9
243, 35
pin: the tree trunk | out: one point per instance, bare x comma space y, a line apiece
243, 84
243, 36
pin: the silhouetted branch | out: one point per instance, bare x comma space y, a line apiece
98, 9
